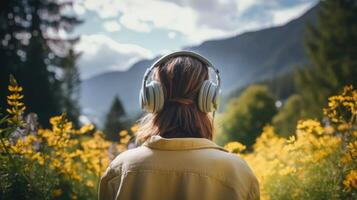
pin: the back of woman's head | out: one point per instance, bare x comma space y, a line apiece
181, 78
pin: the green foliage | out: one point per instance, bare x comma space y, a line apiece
323, 182
320, 166
246, 115
27, 179
281, 86
114, 120
332, 48
286, 119
44, 163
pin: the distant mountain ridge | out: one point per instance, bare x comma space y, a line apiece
243, 59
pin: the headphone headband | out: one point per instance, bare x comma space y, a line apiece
182, 53
152, 95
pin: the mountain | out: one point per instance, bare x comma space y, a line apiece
243, 59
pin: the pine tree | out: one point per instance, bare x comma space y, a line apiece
34, 55
332, 48
12, 14
114, 120
70, 86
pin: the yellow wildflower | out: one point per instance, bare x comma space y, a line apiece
125, 140
235, 147
90, 183
123, 133
86, 128
57, 192
16, 107
350, 180
287, 170
134, 128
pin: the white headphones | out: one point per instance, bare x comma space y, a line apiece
152, 94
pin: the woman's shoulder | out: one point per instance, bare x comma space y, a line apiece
213, 160
237, 160
130, 156
241, 175
233, 160
234, 165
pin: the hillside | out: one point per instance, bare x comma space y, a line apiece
243, 59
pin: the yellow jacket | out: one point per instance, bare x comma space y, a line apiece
178, 169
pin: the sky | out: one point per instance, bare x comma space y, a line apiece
117, 33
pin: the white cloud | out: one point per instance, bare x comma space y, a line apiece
171, 35
104, 8
285, 15
101, 54
134, 23
243, 5
198, 20
143, 16
79, 9
111, 26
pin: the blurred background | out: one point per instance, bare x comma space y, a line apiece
289, 78
279, 59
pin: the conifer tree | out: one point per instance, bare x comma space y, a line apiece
114, 120
33, 51
11, 48
70, 86
332, 48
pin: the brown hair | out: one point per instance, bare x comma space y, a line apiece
181, 78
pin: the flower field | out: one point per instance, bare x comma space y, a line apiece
62, 162
319, 162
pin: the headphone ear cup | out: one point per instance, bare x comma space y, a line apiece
217, 98
202, 96
154, 101
209, 96
142, 99
150, 98
212, 88
159, 98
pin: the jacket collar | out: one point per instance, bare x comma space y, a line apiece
158, 142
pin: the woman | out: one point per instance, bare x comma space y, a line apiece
178, 159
